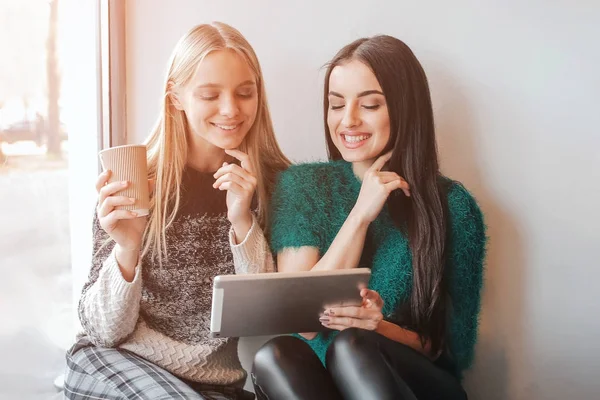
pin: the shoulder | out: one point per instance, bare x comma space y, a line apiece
308, 176
461, 201
466, 218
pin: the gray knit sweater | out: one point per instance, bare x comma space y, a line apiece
163, 315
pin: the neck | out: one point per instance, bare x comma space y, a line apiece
204, 156
360, 167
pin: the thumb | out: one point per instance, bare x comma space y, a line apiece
372, 297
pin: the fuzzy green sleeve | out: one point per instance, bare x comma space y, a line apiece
467, 253
296, 212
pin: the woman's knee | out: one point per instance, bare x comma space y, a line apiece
79, 360
349, 343
80, 380
277, 351
284, 365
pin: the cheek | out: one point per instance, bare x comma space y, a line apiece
332, 122
250, 109
383, 127
200, 112
385, 134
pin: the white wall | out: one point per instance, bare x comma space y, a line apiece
515, 88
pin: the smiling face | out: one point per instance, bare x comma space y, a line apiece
357, 117
220, 101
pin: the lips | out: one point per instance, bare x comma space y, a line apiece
354, 140
229, 126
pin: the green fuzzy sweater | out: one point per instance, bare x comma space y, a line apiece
311, 203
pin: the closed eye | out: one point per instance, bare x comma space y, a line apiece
208, 96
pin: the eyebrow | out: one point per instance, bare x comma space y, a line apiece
215, 85
361, 94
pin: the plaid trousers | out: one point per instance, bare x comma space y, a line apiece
115, 374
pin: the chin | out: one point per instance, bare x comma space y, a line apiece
229, 144
350, 156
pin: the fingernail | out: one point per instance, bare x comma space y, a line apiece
124, 183
132, 200
134, 214
324, 320
330, 312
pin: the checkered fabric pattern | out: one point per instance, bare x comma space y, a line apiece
114, 374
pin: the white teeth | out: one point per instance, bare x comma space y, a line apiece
227, 127
355, 139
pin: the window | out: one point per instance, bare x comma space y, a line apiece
51, 129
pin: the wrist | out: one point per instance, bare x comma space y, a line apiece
241, 226
358, 219
133, 249
381, 326
127, 259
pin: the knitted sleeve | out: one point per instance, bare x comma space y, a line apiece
252, 256
467, 253
109, 305
297, 211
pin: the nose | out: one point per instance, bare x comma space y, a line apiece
351, 118
229, 107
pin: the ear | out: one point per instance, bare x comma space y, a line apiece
174, 96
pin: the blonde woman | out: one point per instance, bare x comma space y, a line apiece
212, 159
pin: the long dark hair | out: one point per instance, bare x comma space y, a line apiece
423, 216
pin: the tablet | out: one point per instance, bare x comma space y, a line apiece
281, 302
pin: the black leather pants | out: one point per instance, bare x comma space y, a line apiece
361, 365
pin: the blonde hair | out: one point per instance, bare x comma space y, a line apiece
168, 145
